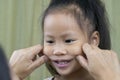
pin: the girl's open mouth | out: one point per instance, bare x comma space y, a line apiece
61, 63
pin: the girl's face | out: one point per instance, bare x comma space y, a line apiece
63, 40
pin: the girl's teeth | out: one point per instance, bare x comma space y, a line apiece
65, 62
62, 64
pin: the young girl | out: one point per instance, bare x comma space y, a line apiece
76, 44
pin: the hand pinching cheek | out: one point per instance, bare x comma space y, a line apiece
47, 50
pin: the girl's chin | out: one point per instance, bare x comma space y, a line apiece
64, 72
68, 72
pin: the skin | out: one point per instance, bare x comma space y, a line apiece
64, 41
105, 62
23, 62
67, 41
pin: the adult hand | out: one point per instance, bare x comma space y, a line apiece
24, 61
101, 64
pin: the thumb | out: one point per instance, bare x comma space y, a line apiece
38, 62
82, 61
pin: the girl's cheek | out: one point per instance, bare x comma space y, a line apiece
75, 50
47, 50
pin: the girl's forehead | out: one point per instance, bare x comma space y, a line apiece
60, 24
68, 21
59, 20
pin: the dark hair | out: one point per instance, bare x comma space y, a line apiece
91, 11
4, 69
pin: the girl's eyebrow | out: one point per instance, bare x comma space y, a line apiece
49, 35
69, 33
72, 33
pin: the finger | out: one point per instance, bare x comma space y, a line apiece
116, 59
15, 57
82, 61
87, 49
38, 62
114, 54
34, 58
96, 48
41, 53
34, 50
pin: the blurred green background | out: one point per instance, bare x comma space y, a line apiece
20, 27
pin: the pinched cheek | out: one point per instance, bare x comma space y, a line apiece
75, 50
47, 50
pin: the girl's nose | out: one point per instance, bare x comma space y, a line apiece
59, 51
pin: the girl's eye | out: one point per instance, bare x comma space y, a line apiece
50, 41
69, 41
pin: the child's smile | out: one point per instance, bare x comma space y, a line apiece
62, 63
63, 39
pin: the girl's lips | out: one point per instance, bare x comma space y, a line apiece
61, 63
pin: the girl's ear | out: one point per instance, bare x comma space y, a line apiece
95, 38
